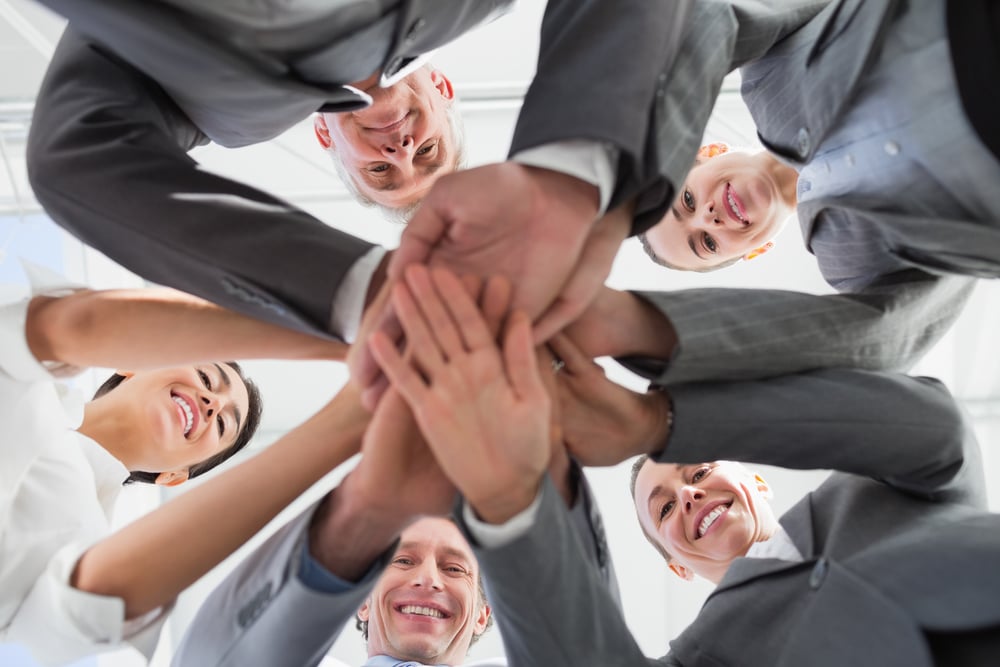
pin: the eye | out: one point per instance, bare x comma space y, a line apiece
687, 199
379, 168
205, 380
402, 560
701, 473
222, 425
709, 243
424, 150
454, 569
665, 510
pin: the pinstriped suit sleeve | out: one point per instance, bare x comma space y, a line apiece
553, 608
263, 615
741, 334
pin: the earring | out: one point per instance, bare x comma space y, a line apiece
713, 149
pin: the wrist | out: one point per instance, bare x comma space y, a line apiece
346, 536
568, 192
659, 419
499, 508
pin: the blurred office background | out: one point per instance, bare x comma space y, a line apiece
490, 69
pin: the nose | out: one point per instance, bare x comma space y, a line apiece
426, 575
212, 403
715, 217
398, 145
691, 495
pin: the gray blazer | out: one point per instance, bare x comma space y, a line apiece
903, 270
262, 614
896, 542
120, 107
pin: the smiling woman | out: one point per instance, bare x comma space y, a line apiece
67, 587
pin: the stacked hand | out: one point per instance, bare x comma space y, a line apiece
534, 226
604, 423
483, 409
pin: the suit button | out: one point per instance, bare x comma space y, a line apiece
819, 573
414, 30
805, 143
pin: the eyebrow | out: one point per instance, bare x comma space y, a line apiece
229, 383
657, 491
694, 248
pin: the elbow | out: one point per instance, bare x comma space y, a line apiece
58, 328
111, 580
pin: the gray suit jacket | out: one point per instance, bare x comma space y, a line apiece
896, 542
262, 614
903, 274
120, 107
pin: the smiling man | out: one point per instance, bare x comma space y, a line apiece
390, 153
429, 606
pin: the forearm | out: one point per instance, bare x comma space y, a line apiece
142, 563
158, 327
345, 538
730, 334
905, 431
619, 324
554, 608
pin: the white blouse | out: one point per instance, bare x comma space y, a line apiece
57, 492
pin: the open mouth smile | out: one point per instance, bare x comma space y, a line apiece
710, 518
736, 209
188, 413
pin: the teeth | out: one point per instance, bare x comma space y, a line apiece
421, 611
732, 204
707, 522
188, 415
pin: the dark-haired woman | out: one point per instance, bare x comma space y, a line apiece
67, 587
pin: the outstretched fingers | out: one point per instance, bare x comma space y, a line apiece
520, 359
470, 323
403, 377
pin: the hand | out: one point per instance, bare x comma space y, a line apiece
603, 422
640, 329
398, 474
396, 482
485, 416
588, 276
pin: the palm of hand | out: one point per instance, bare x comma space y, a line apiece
397, 467
472, 415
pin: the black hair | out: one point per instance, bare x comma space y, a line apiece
250, 425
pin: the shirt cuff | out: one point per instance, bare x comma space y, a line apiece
317, 578
349, 301
590, 161
492, 536
16, 358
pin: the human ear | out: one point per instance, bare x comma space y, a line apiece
363, 611
442, 84
757, 252
482, 619
763, 487
681, 571
172, 478
322, 131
